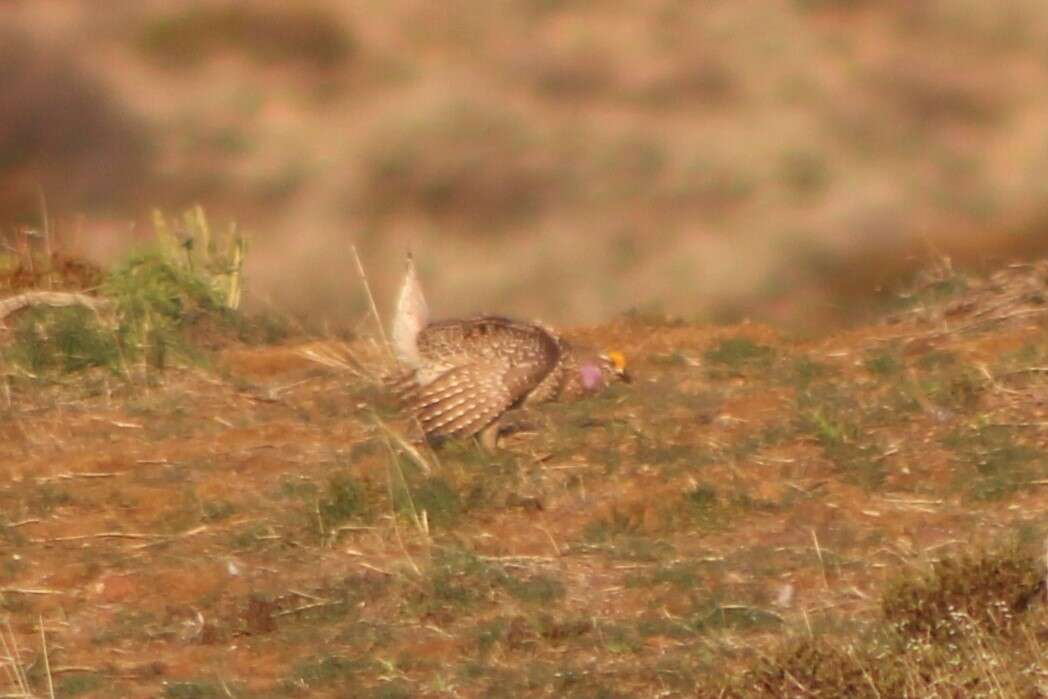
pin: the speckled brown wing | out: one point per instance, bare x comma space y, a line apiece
475, 370
462, 400
552, 385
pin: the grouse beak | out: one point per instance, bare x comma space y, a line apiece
617, 362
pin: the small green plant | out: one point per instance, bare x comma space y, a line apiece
458, 579
251, 537
683, 575
77, 683
62, 340
500, 629
937, 286
192, 690
327, 671
537, 588
619, 638
805, 371
883, 364
153, 306
159, 294
835, 419
154, 300
829, 430
343, 500
45, 498
715, 615
739, 353
397, 689
703, 502
855, 460
620, 542
438, 499
994, 461
672, 457
216, 510
215, 259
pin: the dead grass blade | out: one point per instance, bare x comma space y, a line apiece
55, 299
341, 360
47, 659
12, 661
407, 446
371, 301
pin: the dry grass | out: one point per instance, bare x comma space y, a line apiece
261, 529
16, 666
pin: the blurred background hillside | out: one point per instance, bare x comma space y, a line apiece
569, 160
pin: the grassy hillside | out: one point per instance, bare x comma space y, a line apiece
569, 159
863, 514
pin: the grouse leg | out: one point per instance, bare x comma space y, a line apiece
489, 436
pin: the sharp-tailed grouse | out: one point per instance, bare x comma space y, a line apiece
460, 376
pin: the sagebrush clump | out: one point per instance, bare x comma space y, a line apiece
987, 590
938, 635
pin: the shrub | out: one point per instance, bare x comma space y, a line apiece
62, 340
64, 134
988, 590
467, 164
309, 36
158, 300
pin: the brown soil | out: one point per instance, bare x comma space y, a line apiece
192, 539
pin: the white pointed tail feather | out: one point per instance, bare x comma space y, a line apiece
410, 316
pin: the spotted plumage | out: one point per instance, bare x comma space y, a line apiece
460, 376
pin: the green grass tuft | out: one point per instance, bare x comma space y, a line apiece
713, 509
155, 300
171, 300
62, 340
435, 496
883, 364
192, 690
344, 499
994, 461
327, 671
458, 579
739, 618
738, 355
536, 588
75, 684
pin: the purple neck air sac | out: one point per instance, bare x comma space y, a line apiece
591, 376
